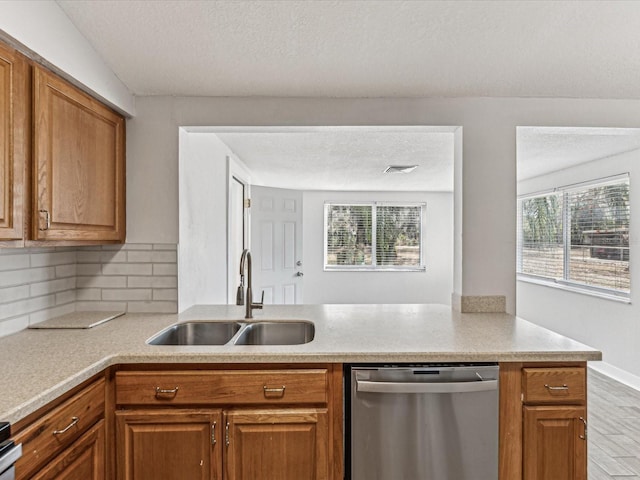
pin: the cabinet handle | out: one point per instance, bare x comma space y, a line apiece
74, 422
280, 390
213, 433
47, 221
553, 389
160, 391
583, 437
226, 434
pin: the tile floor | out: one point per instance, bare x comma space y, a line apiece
614, 429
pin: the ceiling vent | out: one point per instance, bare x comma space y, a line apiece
400, 168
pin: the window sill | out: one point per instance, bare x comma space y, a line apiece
374, 269
574, 289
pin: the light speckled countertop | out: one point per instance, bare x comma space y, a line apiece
36, 366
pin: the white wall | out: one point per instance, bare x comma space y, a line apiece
488, 180
608, 325
44, 28
202, 249
431, 286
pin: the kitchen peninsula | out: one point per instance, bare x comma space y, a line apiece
44, 368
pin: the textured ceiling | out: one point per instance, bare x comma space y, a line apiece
543, 150
344, 158
367, 48
353, 158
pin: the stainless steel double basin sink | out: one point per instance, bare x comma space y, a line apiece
285, 332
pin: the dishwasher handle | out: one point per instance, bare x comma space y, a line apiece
416, 387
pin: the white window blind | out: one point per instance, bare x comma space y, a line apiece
578, 236
541, 245
373, 236
349, 239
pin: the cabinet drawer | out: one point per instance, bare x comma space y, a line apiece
223, 387
59, 428
83, 460
554, 385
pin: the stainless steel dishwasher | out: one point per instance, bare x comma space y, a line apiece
422, 422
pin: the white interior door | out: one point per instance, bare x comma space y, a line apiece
237, 234
276, 245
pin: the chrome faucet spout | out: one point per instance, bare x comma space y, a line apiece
245, 262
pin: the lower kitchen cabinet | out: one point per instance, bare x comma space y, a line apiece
248, 422
66, 441
284, 444
555, 443
84, 460
266, 444
169, 444
543, 427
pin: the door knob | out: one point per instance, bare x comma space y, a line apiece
299, 274
299, 263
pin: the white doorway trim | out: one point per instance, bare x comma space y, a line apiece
237, 172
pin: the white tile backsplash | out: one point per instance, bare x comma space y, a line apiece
103, 282
160, 281
127, 294
14, 262
11, 294
127, 268
152, 307
35, 284
40, 283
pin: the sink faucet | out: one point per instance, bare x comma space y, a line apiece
240, 298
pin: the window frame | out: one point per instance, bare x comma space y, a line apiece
374, 267
565, 282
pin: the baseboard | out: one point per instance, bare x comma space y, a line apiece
616, 373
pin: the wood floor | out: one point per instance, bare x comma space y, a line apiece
614, 429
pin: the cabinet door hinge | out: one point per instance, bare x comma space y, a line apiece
247, 203
213, 433
226, 434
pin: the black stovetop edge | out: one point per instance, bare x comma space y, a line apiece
5, 431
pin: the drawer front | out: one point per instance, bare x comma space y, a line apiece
84, 460
554, 385
224, 387
59, 428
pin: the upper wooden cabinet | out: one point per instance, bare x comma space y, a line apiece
14, 143
78, 164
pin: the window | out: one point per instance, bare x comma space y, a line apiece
373, 236
577, 236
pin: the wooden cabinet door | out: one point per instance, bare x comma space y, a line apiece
168, 444
14, 142
283, 444
555, 447
84, 460
78, 165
